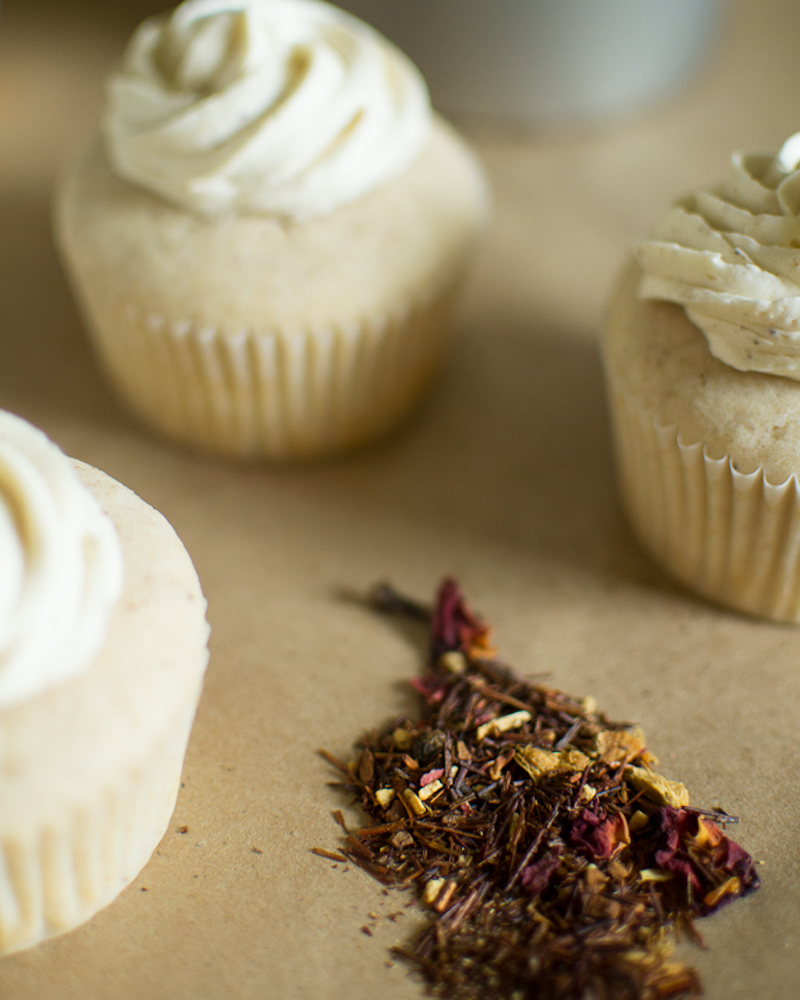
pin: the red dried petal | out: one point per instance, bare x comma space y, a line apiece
689, 844
430, 776
600, 835
432, 689
455, 627
536, 877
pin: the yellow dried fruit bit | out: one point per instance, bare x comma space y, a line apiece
429, 790
453, 662
658, 788
384, 797
538, 762
432, 890
594, 879
620, 870
573, 760
638, 821
414, 802
615, 745
497, 765
402, 738
502, 724
708, 834
732, 887
654, 875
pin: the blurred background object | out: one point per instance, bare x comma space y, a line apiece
536, 64
547, 63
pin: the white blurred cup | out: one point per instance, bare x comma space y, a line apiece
547, 63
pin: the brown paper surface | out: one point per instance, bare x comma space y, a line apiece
503, 479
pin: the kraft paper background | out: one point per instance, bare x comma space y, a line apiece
504, 479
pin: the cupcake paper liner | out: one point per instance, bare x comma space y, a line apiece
279, 394
730, 536
59, 874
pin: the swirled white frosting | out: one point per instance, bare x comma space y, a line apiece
60, 565
731, 257
289, 107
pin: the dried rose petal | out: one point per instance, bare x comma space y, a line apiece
536, 877
698, 852
430, 776
455, 627
600, 835
432, 689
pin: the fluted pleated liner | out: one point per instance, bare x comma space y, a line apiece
56, 875
90, 770
279, 394
733, 538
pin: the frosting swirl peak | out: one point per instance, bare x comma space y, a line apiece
288, 107
730, 255
60, 565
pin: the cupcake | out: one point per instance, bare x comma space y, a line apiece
702, 352
268, 234
102, 654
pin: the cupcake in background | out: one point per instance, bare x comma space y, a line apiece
268, 236
102, 655
702, 352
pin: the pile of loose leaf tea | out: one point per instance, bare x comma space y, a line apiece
556, 862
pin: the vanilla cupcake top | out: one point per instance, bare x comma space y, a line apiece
730, 255
290, 107
60, 565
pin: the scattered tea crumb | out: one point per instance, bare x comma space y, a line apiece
330, 855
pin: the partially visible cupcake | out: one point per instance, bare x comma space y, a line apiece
102, 655
268, 236
702, 352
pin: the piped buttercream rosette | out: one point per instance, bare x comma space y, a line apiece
61, 567
289, 107
730, 255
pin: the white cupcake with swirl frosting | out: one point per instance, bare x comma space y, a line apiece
702, 351
102, 654
268, 236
